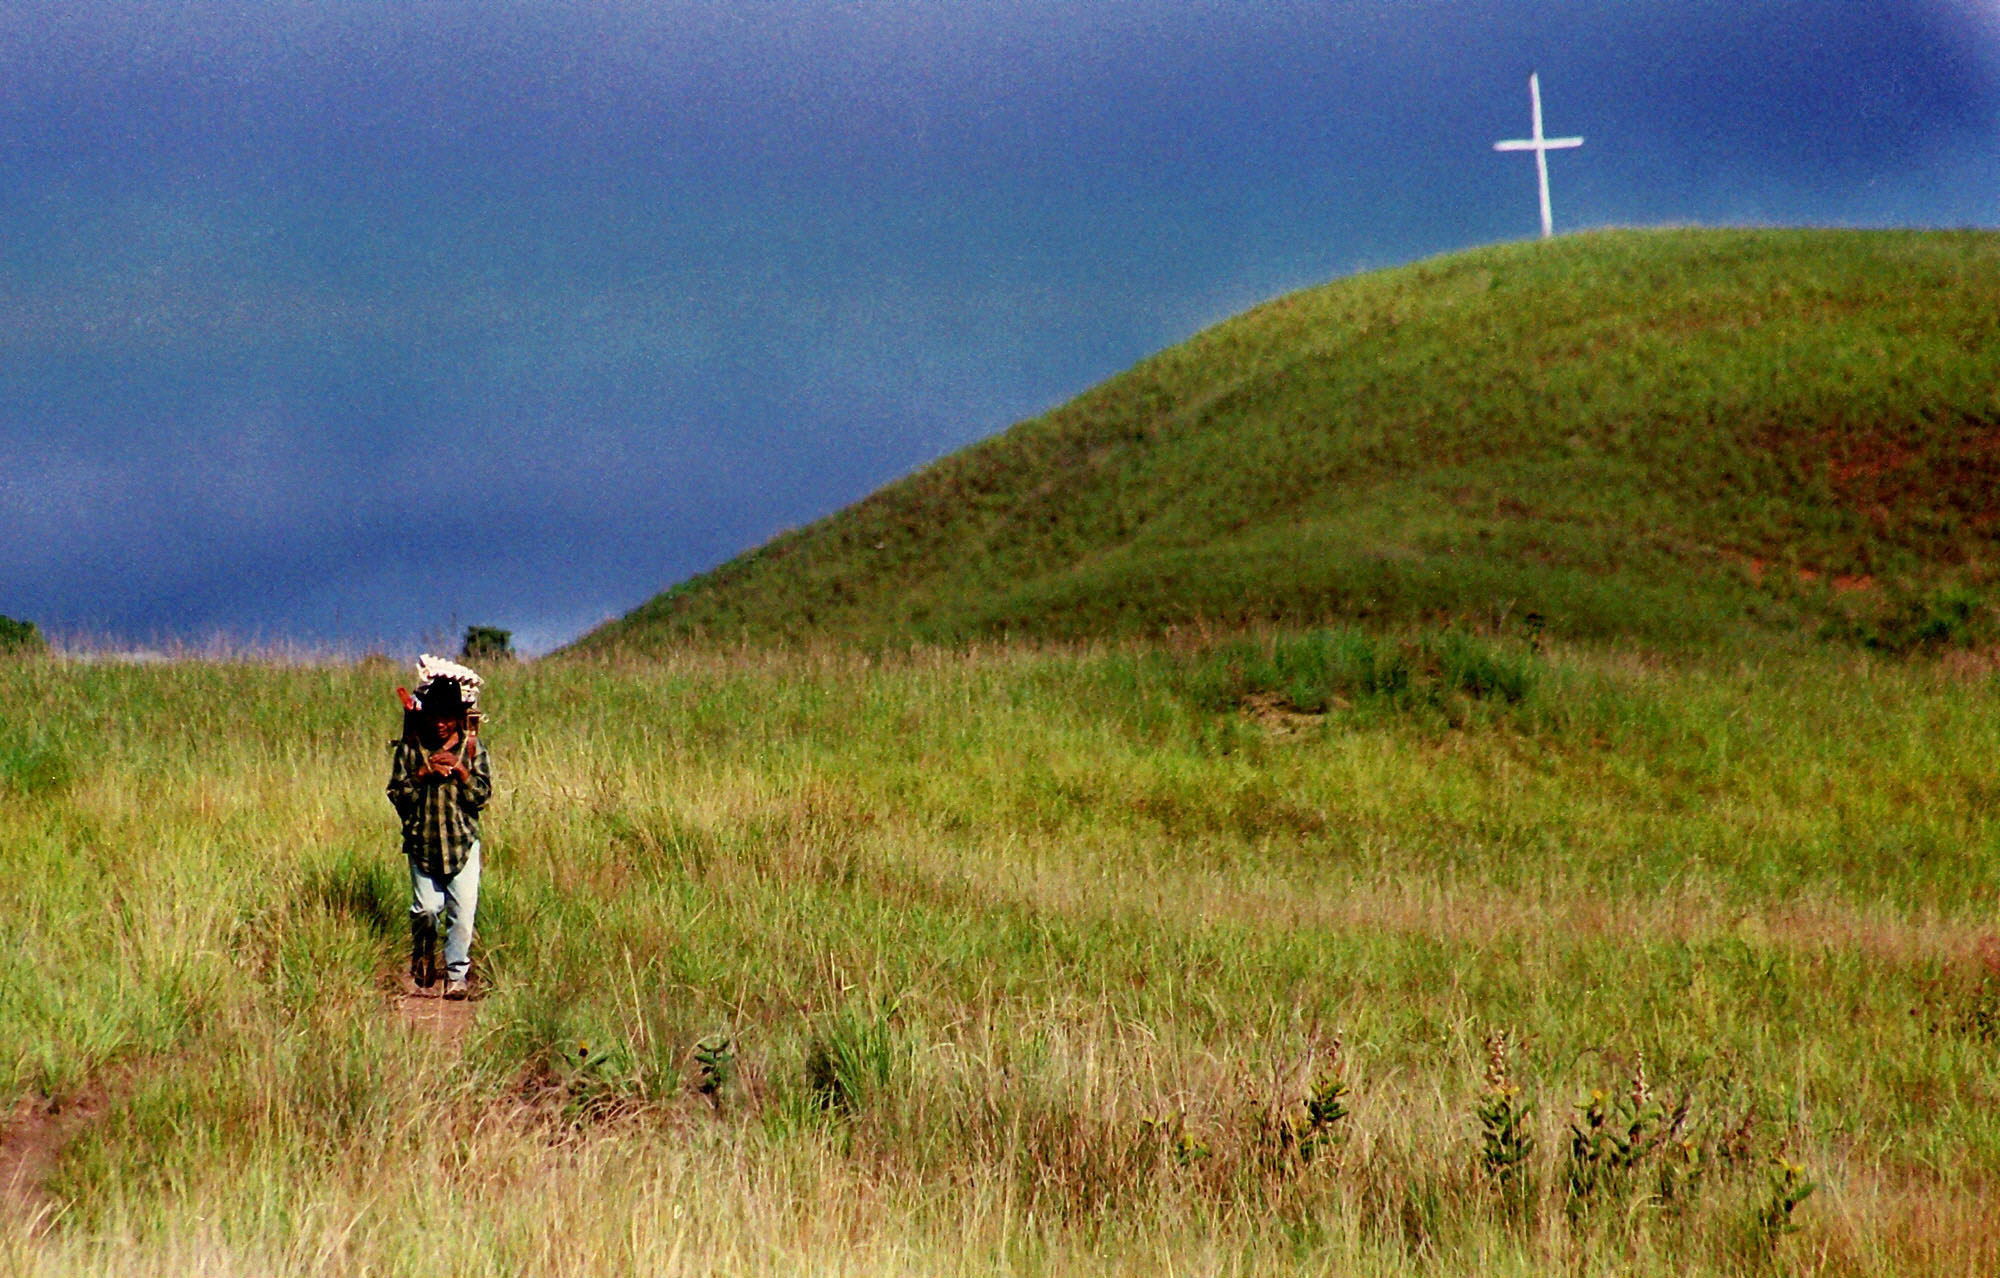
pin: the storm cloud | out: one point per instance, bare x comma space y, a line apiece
349, 324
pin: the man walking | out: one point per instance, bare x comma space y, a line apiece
439, 780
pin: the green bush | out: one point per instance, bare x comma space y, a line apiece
1481, 670
487, 643
853, 1057
1929, 621
20, 636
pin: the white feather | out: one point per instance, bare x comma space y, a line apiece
431, 667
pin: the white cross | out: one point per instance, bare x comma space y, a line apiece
1541, 146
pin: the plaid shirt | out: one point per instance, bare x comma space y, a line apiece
440, 814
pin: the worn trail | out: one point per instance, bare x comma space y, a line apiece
428, 1012
32, 1139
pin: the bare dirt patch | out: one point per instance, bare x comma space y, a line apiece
1967, 664
428, 1011
32, 1139
1905, 473
1276, 714
1757, 569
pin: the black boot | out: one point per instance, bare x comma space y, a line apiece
423, 947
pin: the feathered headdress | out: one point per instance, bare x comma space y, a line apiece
434, 674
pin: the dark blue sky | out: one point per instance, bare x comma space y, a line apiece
352, 323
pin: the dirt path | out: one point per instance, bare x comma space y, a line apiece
428, 1012
34, 1135
32, 1138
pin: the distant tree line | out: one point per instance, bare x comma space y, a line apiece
482, 643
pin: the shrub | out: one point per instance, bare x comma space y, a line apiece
852, 1058
1789, 1186
1918, 622
1612, 1138
1506, 1119
715, 1065
20, 636
1480, 670
487, 643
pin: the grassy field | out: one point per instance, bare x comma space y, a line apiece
1687, 437
1311, 953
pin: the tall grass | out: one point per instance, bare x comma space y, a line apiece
1020, 960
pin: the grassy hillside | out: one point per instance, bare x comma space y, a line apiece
1014, 962
1677, 435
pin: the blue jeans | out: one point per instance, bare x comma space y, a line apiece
457, 899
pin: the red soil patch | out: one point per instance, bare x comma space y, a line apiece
1841, 583
1863, 459
1971, 664
1923, 479
1756, 568
34, 1136
429, 1012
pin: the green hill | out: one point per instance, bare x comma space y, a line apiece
1679, 436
